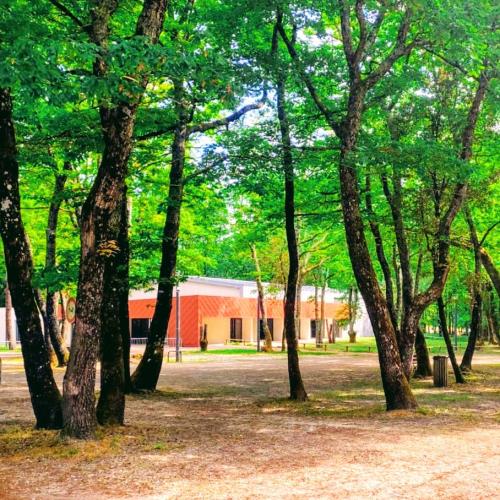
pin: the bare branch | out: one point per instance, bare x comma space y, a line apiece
203, 127
488, 231
156, 133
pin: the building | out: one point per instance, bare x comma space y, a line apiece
228, 308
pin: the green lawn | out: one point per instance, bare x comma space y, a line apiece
435, 344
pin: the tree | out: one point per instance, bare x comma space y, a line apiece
53, 332
45, 396
396, 387
101, 219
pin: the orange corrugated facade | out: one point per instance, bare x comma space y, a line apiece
195, 308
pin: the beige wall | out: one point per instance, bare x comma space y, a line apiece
305, 329
278, 328
249, 329
218, 330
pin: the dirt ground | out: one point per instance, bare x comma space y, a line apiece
221, 427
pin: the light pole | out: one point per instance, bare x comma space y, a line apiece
177, 324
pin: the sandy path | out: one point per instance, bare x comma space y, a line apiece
216, 433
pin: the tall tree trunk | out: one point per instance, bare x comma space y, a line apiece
451, 352
317, 323
115, 330
424, 368
494, 316
45, 396
382, 259
352, 314
397, 279
100, 223
147, 372
322, 325
476, 296
42, 309
298, 305
64, 322
491, 269
9, 323
268, 339
293, 288
396, 387
52, 327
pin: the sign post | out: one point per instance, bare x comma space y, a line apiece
71, 310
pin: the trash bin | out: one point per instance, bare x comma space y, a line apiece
440, 371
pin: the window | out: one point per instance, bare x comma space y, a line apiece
236, 329
270, 324
140, 328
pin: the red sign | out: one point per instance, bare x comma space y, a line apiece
71, 310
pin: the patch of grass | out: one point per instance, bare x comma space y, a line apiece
19, 442
317, 406
229, 350
364, 398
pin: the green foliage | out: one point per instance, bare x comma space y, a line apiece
412, 128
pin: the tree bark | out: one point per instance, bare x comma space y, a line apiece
297, 389
476, 296
494, 316
322, 324
353, 304
268, 339
100, 223
396, 387
9, 323
147, 372
491, 269
382, 259
424, 368
52, 327
42, 309
115, 330
446, 335
45, 396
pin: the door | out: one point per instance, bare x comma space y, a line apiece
313, 328
236, 329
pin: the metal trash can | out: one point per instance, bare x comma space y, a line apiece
440, 371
